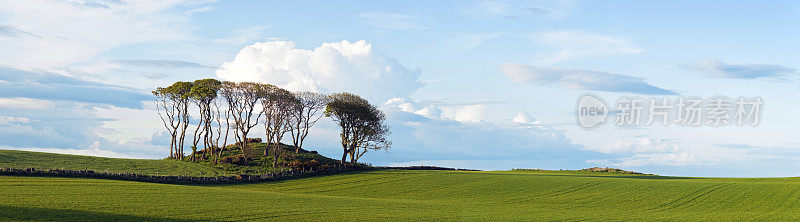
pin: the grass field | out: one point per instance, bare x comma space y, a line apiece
411, 195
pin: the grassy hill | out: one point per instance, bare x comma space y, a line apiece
257, 164
409, 195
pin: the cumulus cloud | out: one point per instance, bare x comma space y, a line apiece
581, 79
575, 45
469, 112
332, 67
716, 68
49, 86
526, 119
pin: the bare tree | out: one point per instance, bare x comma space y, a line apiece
305, 115
363, 125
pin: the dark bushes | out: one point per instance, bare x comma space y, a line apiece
179, 179
304, 165
426, 168
235, 159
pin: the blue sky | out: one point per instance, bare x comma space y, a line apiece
469, 84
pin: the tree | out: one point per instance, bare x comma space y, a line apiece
203, 93
174, 101
216, 112
278, 105
241, 99
363, 125
166, 103
305, 116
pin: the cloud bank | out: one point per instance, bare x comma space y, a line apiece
419, 139
49, 86
581, 79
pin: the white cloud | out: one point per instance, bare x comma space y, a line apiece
7, 120
668, 159
716, 68
526, 118
354, 67
434, 139
576, 45
580, 79
65, 32
128, 125
419, 140
645, 151
24, 103
462, 112
641, 145
55, 87
199, 10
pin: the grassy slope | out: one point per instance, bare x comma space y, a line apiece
258, 164
403, 195
25, 159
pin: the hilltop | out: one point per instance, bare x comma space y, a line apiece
230, 163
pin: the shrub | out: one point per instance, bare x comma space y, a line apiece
235, 159
304, 165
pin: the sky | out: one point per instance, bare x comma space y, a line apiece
490, 85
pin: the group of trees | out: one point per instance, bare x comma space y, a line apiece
223, 108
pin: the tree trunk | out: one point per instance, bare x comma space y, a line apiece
172, 145
275, 155
344, 156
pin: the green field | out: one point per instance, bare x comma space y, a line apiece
410, 195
